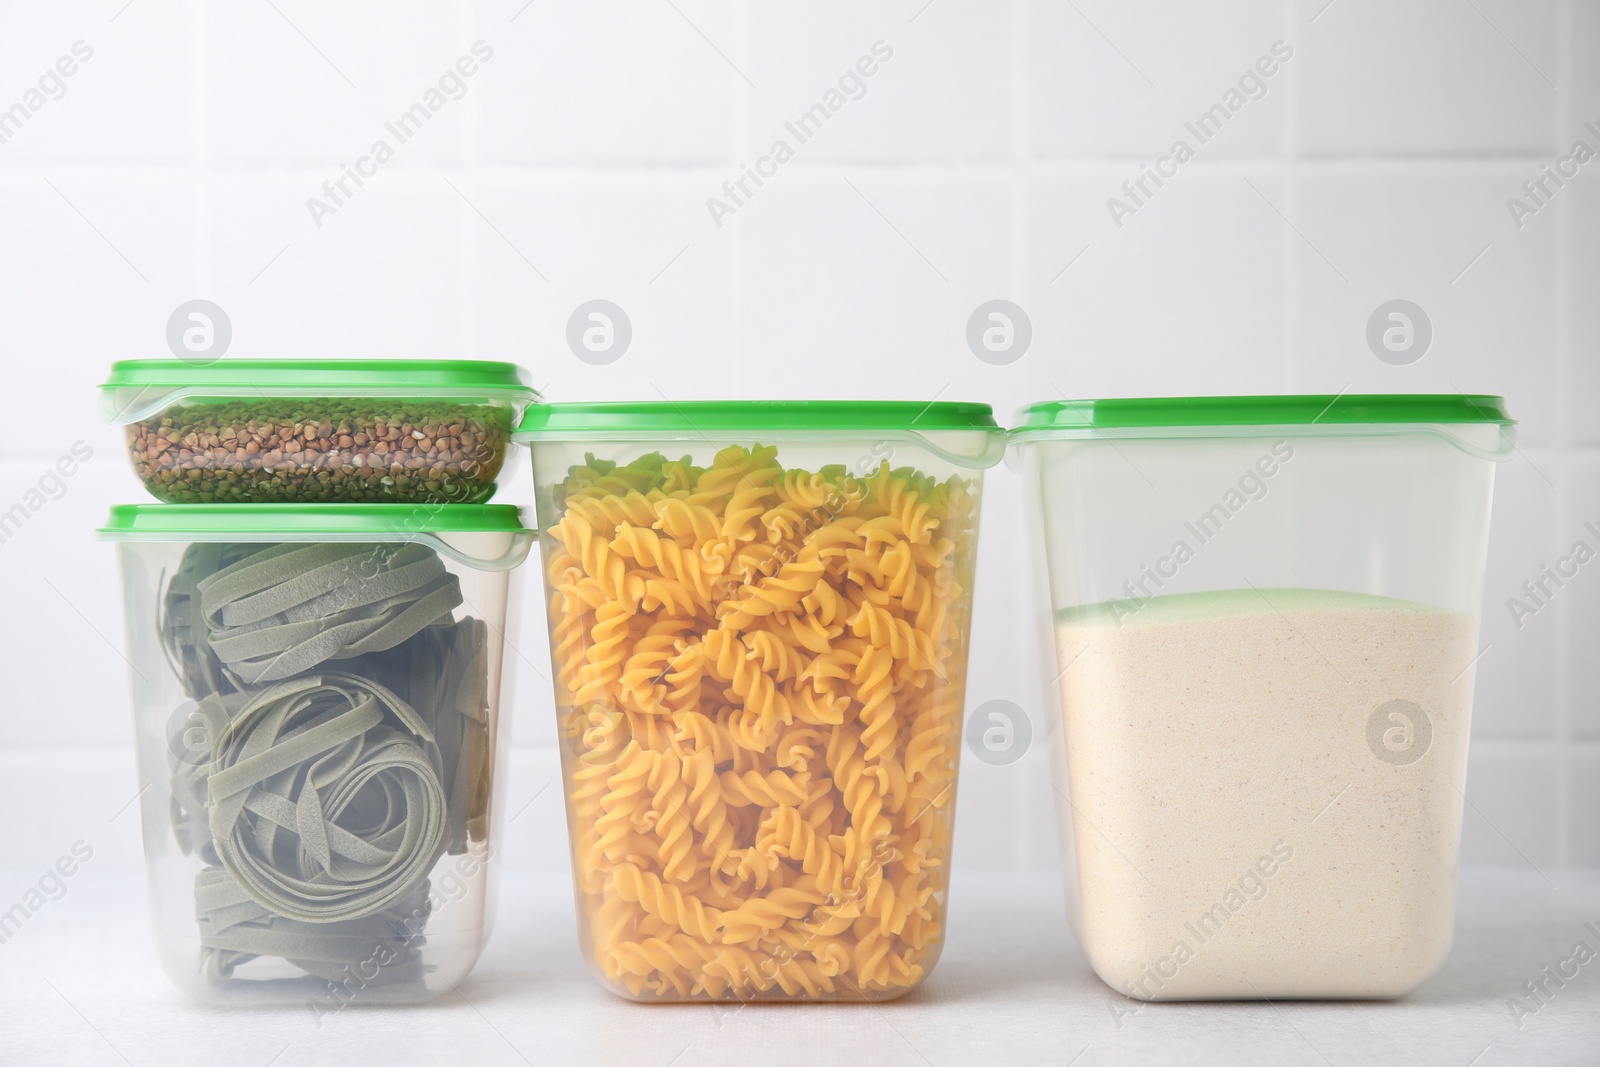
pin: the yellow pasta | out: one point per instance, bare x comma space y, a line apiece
760, 675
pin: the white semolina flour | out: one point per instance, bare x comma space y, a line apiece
1264, 790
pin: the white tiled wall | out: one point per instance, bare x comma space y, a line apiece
975, 163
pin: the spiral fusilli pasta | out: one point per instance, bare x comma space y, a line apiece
760, 675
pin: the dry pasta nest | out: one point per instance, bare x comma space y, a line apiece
319, 799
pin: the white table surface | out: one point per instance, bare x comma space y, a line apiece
80, 985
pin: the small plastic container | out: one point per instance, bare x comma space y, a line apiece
316, 700
347, 431
1262, 629
759, 615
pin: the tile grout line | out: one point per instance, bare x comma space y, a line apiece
1562, 711
744, 134
652, 170
1293, 279
200, 158
1022, 156
470, 329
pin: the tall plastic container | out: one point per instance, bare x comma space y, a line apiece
1261, 617
316, 700
759, 615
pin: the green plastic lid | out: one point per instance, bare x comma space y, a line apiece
548, 421
439, 525
138, 388
962, 432
1223, 411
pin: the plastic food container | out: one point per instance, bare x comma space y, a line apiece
283, 431
1263, 620
316, 699
758, 623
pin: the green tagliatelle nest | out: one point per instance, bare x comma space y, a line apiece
324, 796
321, 799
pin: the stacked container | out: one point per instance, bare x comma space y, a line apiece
316, 620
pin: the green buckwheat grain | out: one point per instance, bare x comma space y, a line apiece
338, 450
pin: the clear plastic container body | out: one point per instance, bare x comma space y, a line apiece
317, 728
760, 645
317, 431
1262, 641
